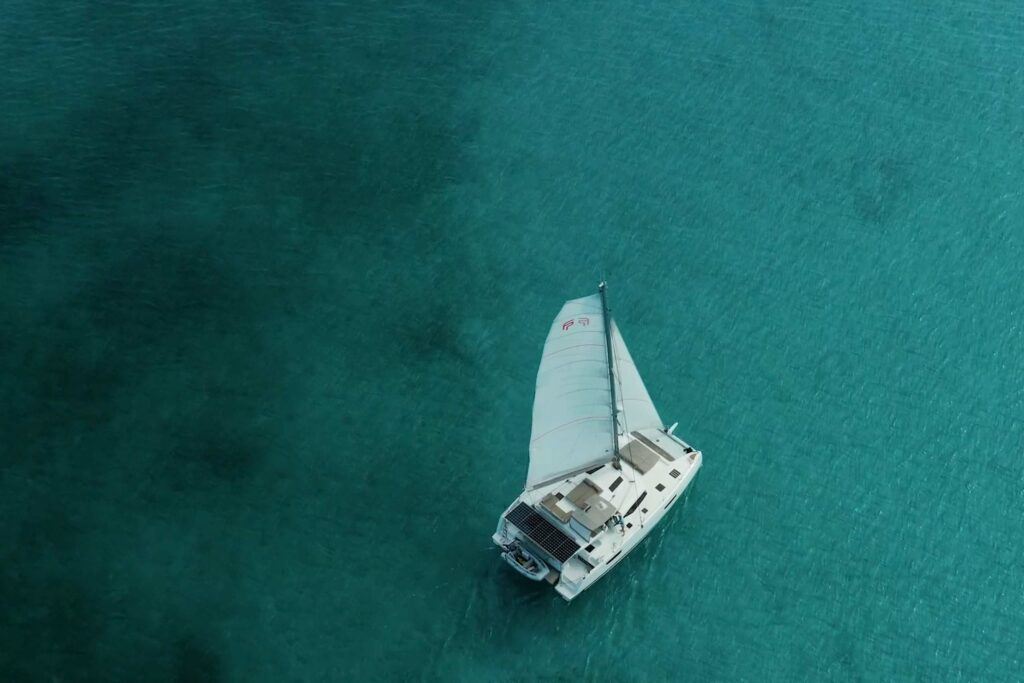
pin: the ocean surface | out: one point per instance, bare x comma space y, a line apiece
275, 277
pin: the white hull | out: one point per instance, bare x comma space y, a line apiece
573, 536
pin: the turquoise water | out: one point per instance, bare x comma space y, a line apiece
276, 275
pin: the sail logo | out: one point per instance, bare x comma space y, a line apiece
582, 322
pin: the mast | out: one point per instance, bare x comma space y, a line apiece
611, 375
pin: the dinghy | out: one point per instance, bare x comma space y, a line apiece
604, 469
525, 562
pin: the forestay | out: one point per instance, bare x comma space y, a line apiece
572, 413
636, 411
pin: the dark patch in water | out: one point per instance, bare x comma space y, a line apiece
56, 389
164, 287
434, 334
51, 531
127, 134
72, 376
163, 304
25, 202
878, 189
218, 451
194, 662
48, 630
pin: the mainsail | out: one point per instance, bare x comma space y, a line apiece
572, 409
573, 420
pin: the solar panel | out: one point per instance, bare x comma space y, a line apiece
542, 532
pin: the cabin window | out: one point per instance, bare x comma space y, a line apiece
670, 501
615, 484
613, 557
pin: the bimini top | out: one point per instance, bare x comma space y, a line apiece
573, 419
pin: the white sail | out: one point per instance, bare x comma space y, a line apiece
572, 414
636, 411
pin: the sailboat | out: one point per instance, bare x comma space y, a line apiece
604, 469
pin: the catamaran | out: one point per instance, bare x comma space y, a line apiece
603, 470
